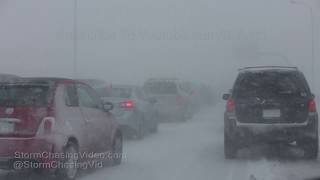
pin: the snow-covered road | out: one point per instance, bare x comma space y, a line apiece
194, 151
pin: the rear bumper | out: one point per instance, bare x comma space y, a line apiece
128, 121
281, 132
25, 150
287, 134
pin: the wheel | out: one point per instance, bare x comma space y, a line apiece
310, 148
117, 149
70, 170
140, 132
230, 148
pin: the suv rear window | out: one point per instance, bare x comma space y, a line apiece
161, 88
271, 84
24, 95
115, 92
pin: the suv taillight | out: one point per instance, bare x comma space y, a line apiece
230, 105
312, 106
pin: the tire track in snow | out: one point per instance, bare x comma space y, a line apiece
264, 170
255, 170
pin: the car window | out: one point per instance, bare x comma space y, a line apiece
71, 98
270, 84
161, 88
86, 99
119, 92
94, 95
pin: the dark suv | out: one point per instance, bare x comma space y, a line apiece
270, 105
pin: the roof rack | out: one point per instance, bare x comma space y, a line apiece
268, 67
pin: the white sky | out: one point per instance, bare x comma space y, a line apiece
129, 41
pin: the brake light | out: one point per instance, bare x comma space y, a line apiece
312, 106
230, 105
127, 104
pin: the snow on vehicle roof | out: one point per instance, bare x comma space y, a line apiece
46, 79
36, 81
268, 68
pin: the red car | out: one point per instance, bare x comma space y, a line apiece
60, 124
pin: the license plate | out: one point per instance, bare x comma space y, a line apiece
6, 127
271, 113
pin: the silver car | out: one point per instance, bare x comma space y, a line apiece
173, 102
135, 113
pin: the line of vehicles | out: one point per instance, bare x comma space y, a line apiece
67, 117
267, 104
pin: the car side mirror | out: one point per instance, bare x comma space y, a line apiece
226, 96
108, 106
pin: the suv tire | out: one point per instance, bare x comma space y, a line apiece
310, 148
230, 147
